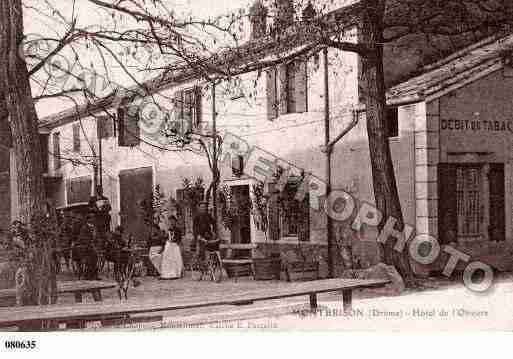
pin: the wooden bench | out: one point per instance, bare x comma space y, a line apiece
78, 288
237, 267
52, 317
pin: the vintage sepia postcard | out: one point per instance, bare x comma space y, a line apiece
255, 165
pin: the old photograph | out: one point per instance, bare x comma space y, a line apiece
255, 165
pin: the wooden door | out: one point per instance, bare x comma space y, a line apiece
447, 203
469, 191
497, 227
135, 186
241, 230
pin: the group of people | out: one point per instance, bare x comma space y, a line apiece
165, 253
83, 236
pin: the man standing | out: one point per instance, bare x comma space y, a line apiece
204, 226
86, 241
100, 205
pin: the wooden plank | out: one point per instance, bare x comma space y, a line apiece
67, 287
238, 246
20, 315
237, 261
71, 286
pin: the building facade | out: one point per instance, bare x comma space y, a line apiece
449, 129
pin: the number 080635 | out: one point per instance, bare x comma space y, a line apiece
20, 344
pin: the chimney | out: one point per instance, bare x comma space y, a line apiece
258, 17
284, 14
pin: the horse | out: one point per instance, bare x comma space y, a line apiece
124, 261
80, 259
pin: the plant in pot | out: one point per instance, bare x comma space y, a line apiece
305, 266
295, 219
268, 266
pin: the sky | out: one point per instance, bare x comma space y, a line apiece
46, 24
42, 25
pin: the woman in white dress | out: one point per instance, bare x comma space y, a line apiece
172, 263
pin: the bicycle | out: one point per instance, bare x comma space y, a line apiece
211, 265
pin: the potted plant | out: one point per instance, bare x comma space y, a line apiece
306, 267
267, 267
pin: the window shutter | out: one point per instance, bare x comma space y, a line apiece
282, 89
105, 127
447, 208
304, 220
121, 126
497, 228
197, 103
301, 89
76, 137
271, 94
56, 151
129, 132
78, 189
274, 217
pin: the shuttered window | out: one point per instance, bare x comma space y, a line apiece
271, 94
78, 189
468, 190
283, 89
300, 92
289, 217
187, 104
128, 128
287, 89
105, 127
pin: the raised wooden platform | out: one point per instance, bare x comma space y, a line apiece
78, 288
55, 316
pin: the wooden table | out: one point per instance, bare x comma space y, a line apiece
89, 312
78, 288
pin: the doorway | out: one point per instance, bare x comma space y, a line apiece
135, 186
471, 202
241, 229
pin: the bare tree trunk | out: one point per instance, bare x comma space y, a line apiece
17, 97
383, 177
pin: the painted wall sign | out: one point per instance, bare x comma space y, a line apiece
476, 125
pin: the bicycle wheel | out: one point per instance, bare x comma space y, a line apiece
196, 270
216, 270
